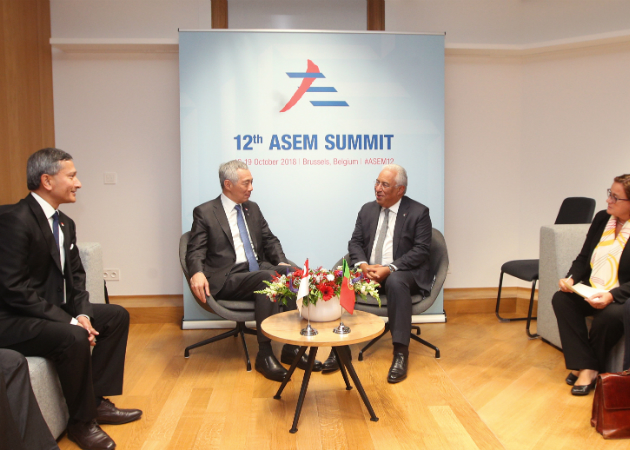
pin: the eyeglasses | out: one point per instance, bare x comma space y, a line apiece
614, 198
384, 185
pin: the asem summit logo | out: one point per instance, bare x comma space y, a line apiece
308, 77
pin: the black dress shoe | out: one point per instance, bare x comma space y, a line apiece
270, 367
331, 364
289, 352
108, 414
584, 389
89, 436
571, 379
398, 370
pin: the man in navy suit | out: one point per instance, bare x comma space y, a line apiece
45, 309
391, 244
231, 252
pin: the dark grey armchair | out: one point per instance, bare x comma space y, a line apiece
238, 311
439, 267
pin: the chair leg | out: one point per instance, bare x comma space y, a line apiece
513, 319
529, 313
240, 329
496, 309
417, 328
373, 341
428, 344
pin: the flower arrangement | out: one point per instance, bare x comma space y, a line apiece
323, 285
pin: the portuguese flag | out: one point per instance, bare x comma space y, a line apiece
346, 296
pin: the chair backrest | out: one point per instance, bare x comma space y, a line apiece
439, 263
183, 248
576, 210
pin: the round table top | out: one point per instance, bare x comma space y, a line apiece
285, 327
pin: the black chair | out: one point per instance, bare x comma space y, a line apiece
573, 210
439, 267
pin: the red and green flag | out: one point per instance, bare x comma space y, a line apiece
346, 296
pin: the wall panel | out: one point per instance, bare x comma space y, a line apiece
26, 99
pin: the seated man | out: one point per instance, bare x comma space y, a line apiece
22, 426
391, 243
45, 309
231, 251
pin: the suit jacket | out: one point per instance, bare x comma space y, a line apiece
211, 247
581, 268
412, 239
31, 280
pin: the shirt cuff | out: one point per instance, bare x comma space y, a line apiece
74, 321
357, 265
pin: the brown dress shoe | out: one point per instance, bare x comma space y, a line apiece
108, 414
89, 436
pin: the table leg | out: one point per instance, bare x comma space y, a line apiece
305, 380
287, 377
343, 370
344, 353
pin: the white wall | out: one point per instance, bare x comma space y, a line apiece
520, 136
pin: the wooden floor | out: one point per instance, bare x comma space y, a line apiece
492, 388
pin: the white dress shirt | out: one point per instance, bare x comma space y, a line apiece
388, 244
231, 213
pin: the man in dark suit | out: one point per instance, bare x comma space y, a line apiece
232, 251
391, 243
45, 309
22, 425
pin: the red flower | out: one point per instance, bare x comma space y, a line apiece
327, 291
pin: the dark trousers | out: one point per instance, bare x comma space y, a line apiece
241, 284
626, 326
583, 349
85, 376
399, 287
22, 426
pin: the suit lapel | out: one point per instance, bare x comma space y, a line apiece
374, 215
252, 227
65, 229
401, 217
44, 226
219, 213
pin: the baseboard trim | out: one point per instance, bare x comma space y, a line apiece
169, 308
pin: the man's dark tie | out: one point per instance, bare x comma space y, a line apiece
247, 245
378, 256
55, 229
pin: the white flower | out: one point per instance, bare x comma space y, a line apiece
363, 289
330, 277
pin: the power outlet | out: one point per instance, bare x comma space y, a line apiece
111, 275
110, 178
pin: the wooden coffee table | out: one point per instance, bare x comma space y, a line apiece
285, 327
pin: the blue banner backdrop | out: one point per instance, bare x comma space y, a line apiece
315, 115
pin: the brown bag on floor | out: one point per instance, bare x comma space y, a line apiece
611, 405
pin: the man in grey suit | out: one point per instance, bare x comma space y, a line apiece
391, 244
232, 251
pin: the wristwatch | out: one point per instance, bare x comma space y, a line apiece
391, 268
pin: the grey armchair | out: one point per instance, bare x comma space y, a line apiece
439, 267
238, 311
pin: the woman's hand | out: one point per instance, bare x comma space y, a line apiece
600, 300
565, 283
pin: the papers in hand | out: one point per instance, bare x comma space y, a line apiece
585, 291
